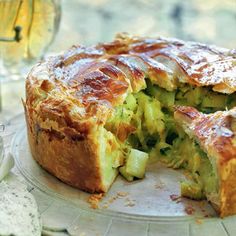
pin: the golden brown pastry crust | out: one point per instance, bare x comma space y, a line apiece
216, 134
70, 95
74, 160
193, 63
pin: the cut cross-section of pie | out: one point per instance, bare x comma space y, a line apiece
94, 112
212, 161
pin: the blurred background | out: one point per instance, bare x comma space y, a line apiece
89, 22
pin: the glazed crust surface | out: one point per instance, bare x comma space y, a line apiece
216, 134
70, 95
93, 80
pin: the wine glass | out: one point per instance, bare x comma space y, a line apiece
27, 28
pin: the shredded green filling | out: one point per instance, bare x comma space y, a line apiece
150, 113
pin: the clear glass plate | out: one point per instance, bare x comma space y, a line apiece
1, 149
149, 206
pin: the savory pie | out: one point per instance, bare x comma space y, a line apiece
94, 112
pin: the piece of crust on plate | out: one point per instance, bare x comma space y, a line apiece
216, 135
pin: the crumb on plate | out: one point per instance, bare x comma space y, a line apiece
94, 200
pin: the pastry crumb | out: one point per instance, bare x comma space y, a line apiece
198, 221
122, 194
176, 198
105, 206
189, 210
94, 200
129, 202
112, 199
119, 194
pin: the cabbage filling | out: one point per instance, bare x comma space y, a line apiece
145, 128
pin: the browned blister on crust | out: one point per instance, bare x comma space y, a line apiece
216, 134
